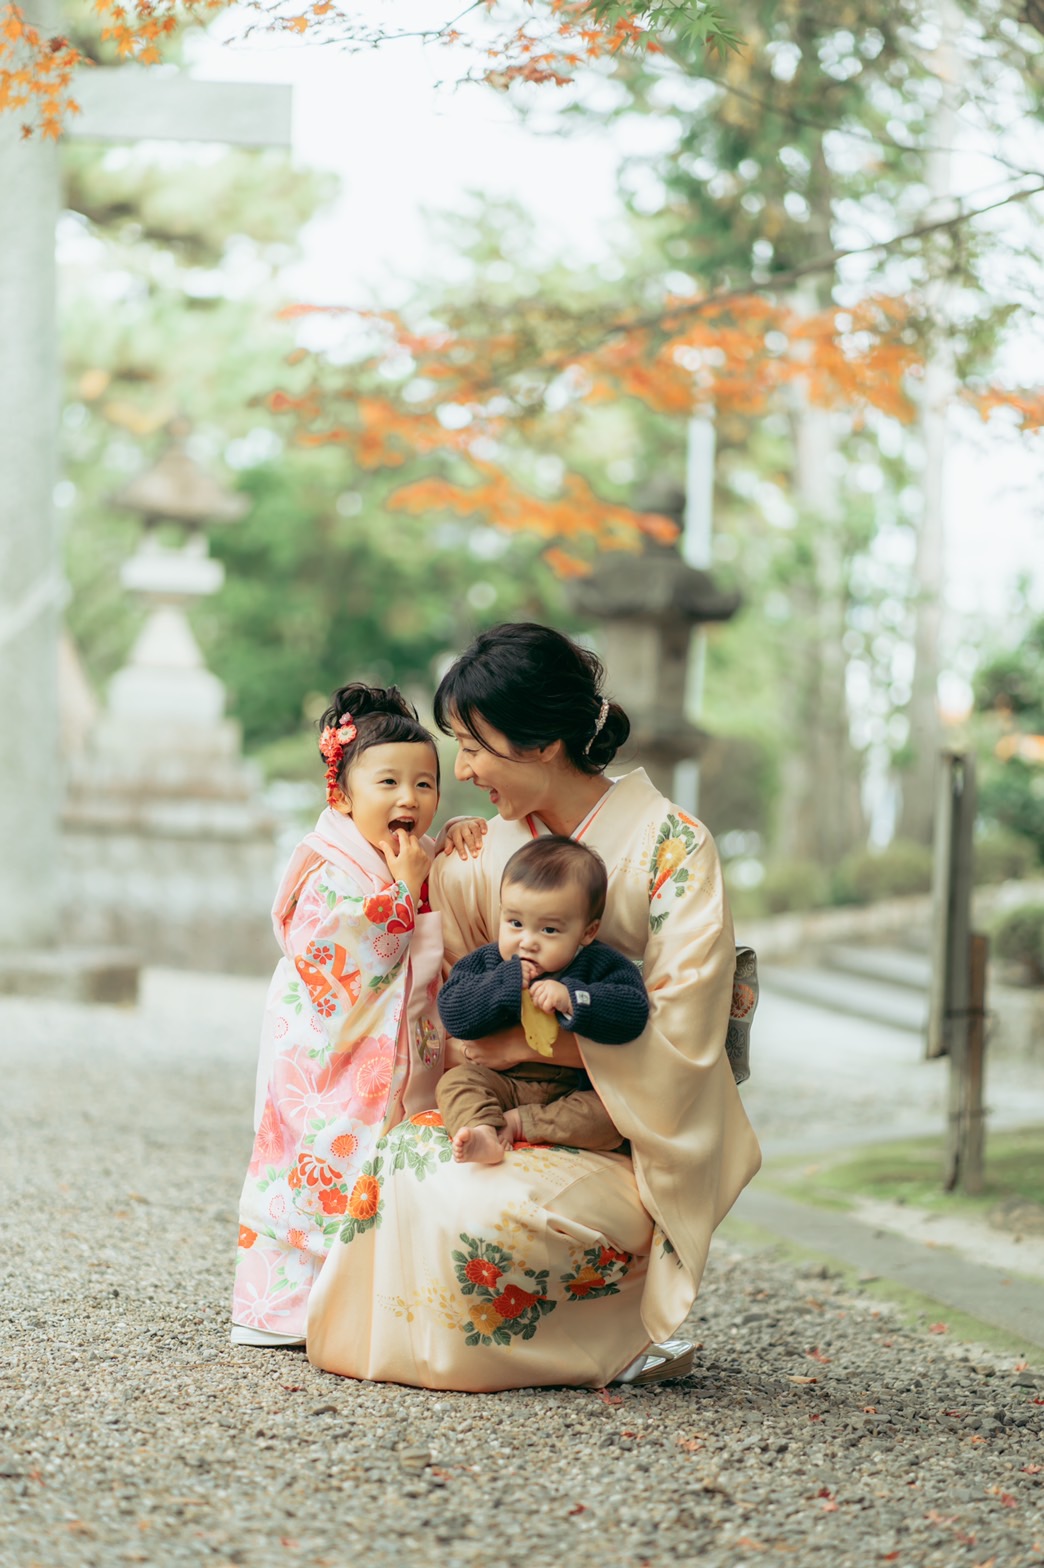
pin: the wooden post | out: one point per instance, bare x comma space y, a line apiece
957, 1011
970, 1165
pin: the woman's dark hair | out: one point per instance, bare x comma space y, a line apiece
381, 716
535, 686
548, 862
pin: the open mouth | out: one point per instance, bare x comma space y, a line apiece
402, 825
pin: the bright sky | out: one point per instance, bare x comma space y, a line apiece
404, 147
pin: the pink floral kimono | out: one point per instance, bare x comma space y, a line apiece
351, 1044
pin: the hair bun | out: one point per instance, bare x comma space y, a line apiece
359, 700
610, 737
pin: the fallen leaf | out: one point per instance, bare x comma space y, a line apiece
751, 1545
869, 1410
1031, 1469
1021, 1366
938, 1328
829, 1506
292, 1388
609, 1399
803, 1379
579, 1509
690, 1444
817, 1355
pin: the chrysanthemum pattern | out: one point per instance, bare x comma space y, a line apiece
668, 872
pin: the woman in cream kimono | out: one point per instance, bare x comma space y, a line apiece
557, 1266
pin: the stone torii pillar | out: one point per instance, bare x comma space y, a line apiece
119, 104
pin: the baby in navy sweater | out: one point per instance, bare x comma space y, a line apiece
545, 969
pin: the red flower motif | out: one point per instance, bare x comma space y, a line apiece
610, 1255
379, 909
333, 1200
326, 1006
365, 1199
427, 1119
514, 1301
480, 1271
247, 1237
319, 953
315, 1172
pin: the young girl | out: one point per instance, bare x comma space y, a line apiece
350, 1043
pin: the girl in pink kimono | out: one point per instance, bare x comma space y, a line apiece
351, 1043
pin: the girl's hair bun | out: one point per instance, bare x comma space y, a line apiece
360, 700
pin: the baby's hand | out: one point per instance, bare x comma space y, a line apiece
551, 996
408, 860
466, 837
530, 972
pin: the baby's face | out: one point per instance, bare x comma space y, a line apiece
547, 928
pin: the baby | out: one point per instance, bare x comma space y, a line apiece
544, 969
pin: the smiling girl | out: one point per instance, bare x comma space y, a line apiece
350, 1043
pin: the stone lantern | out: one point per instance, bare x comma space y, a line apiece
647, 607
168, 843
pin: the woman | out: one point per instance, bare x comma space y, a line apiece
556, 1266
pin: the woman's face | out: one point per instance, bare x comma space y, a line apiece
517, 783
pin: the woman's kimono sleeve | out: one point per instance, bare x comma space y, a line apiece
348, 947
672, 1092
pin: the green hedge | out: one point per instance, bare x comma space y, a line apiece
1018, 937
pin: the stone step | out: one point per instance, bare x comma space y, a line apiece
892, 965
850, 995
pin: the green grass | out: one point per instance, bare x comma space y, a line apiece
909, 1307
911, 1172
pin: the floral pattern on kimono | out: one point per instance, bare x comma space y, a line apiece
336, 1059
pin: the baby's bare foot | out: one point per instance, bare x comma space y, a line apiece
478, 1146
513, 1127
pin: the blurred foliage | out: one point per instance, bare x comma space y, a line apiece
1008, 733
792, 885
1000, 855
902, 867
1018, 937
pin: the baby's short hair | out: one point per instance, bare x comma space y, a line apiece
549, 862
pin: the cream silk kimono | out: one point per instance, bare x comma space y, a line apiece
351, 1043
560, 1266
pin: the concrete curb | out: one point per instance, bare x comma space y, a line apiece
1005, 1301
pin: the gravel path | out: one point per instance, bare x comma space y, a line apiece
815, 1431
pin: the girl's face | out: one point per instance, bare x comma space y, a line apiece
518, 783
391, 787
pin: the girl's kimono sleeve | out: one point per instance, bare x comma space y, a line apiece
349, 948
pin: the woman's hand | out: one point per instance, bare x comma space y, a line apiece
466, 837
508, 1048
408, 861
